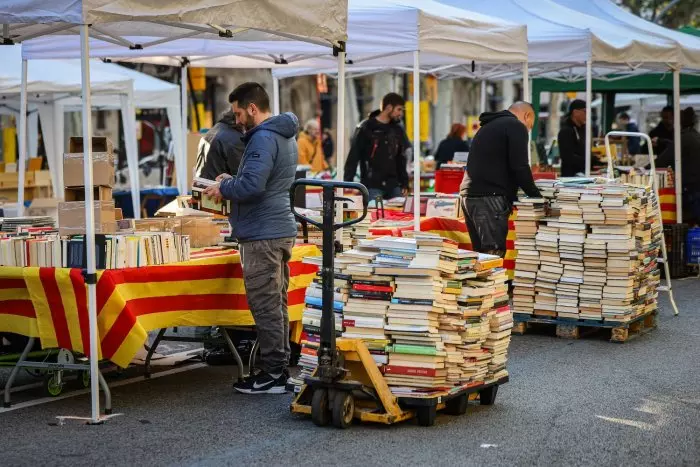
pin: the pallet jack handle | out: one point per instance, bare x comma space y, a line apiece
654, 186
329, 369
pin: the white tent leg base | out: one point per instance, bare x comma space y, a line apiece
87, 420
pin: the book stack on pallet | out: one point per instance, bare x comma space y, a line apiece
594, 255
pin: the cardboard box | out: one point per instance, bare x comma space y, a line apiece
42, 178
30, 193
8, 180
99, 193
71, 217
118, 215
43, 207
202, 231
102, 163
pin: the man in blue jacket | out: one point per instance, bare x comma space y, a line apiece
264, 225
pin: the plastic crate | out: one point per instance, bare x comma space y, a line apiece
448, 180
692, 246
675, 236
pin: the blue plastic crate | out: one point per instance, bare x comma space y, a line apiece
692, 246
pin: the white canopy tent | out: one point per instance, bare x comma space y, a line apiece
418, 36
50, 85
324, 23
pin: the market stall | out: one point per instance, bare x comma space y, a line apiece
51, 304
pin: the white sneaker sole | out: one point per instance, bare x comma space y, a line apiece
272, 390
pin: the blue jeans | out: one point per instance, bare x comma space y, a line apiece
392, 193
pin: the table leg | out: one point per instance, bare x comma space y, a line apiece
236, 355
253, 354
10, 381
151, 351
107, 392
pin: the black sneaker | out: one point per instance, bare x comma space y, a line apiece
262, 383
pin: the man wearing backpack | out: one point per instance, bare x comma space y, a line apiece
379, 146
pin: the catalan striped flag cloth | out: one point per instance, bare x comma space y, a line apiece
51, 303
456, 229
667, 200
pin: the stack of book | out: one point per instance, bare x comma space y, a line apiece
595, 254
529, 212
15, 224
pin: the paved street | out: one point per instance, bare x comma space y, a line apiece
585, 402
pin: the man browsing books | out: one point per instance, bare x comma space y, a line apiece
497, 166
263, 222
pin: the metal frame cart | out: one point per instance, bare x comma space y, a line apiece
347, 384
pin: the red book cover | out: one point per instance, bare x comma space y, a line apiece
309, 351
372, 288
349, 323
409, 371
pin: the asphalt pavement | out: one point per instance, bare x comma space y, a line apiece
582, 402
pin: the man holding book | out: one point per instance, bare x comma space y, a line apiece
497, 166
264, 225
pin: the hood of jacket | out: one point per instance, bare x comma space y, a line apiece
488, 117
285, 125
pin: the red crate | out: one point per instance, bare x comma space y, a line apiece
448, 180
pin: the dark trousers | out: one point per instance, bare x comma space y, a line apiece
266, 277
487, 223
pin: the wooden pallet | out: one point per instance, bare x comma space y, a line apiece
575, 329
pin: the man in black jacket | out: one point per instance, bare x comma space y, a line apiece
497, 165
662, 134
379, 146
572, 141
220, 149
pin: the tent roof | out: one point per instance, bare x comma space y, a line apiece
443, 34
648, 83
557, 34
245, 20
54, 76
608, 11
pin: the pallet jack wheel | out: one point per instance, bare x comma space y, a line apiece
457, 405
426, 415
320, 414
488, 396
343, 409
53, 385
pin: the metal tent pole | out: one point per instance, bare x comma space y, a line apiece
677, 143
416, 140
91, 277
275, 96
589, 100
184, 189
340, 135
22, 137
482, 103
526, 98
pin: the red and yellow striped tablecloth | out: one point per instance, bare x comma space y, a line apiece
51, 303
667, 200
456, 229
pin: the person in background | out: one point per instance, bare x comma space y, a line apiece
264, 225
379, 147
310, 149
633, 143
662, 134
497, 166
572, 141
220, 149
453, 143
328, 147
690, 162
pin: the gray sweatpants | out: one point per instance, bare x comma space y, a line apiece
266, 277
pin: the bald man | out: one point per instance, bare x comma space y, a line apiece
497, 166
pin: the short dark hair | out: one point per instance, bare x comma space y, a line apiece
624, 116
688, 119
392, 99
668, 108
250, 93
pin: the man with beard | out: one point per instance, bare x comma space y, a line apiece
263, 222
379, 147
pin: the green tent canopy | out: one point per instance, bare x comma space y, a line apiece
690, 30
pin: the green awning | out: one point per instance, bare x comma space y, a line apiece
690, 30
655, 83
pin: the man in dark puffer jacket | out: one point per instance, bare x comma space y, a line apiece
263, 222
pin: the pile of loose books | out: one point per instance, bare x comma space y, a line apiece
433, 316
588, 250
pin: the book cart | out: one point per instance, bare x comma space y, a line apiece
347, 385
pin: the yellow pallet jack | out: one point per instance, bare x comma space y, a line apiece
347, 385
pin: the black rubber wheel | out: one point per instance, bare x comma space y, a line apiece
83, 380
426, 415
488, 396
320, 414
343, 409
457, 405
